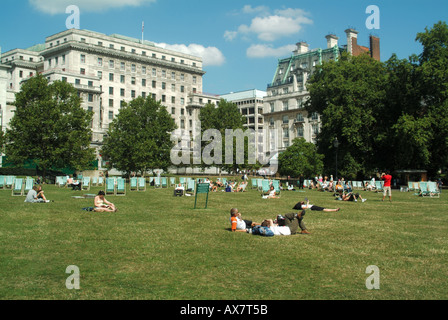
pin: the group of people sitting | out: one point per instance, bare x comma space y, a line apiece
231, 186
36, 195
283, 225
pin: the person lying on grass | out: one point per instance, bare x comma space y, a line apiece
306, 205
287, 225
238, 224
102, 205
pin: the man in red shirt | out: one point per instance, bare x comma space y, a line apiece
387, 179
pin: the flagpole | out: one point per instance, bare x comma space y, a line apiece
143, 30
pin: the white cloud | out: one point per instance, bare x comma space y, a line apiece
270, 27
263, 51
230, 35
211, 56
260, 9
59, 6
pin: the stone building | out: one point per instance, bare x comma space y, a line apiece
284, 115
108, 70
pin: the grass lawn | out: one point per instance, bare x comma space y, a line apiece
156, 247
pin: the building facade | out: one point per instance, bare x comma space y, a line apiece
284, 113
108, 71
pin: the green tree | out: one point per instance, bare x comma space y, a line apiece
300, 158
433, 68
349, 94
49, 126
226, 116
139, 137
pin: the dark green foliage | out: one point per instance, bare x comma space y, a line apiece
300, 158
390, 115
139, 137
49, 126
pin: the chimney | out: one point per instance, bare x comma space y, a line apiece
352, 39
375, 48
302, 47
332, 41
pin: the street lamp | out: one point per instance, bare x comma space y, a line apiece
336, 145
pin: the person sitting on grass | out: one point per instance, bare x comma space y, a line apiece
306, 205
33, 196
238, 224
288, 225
272, 194
102, 205
40, 194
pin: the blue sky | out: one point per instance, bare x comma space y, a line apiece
240, 40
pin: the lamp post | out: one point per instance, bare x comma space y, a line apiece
336, 145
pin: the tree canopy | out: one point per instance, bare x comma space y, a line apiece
239, 153
139, 137
301, 158
386, 115
49, 126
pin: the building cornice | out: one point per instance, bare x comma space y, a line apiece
119, 54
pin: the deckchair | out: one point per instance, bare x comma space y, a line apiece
121, 187
357, 184
172, 181
164, 182
191, 187
85, 183
379, 186
94, 181
9, 182
61, 181
416, 186
276, 185
423, 191
133, 186
141, 184
2, 182
260, 184
151, 179
100, 181
17, 189
183, 181
157, 183
29, 183
265, 187
110, 186
254, 183
433, 190
411, 186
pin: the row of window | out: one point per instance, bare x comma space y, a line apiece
123, 48
144, 69
300, 131
286, 106
299, 118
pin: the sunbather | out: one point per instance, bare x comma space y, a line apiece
102, 205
